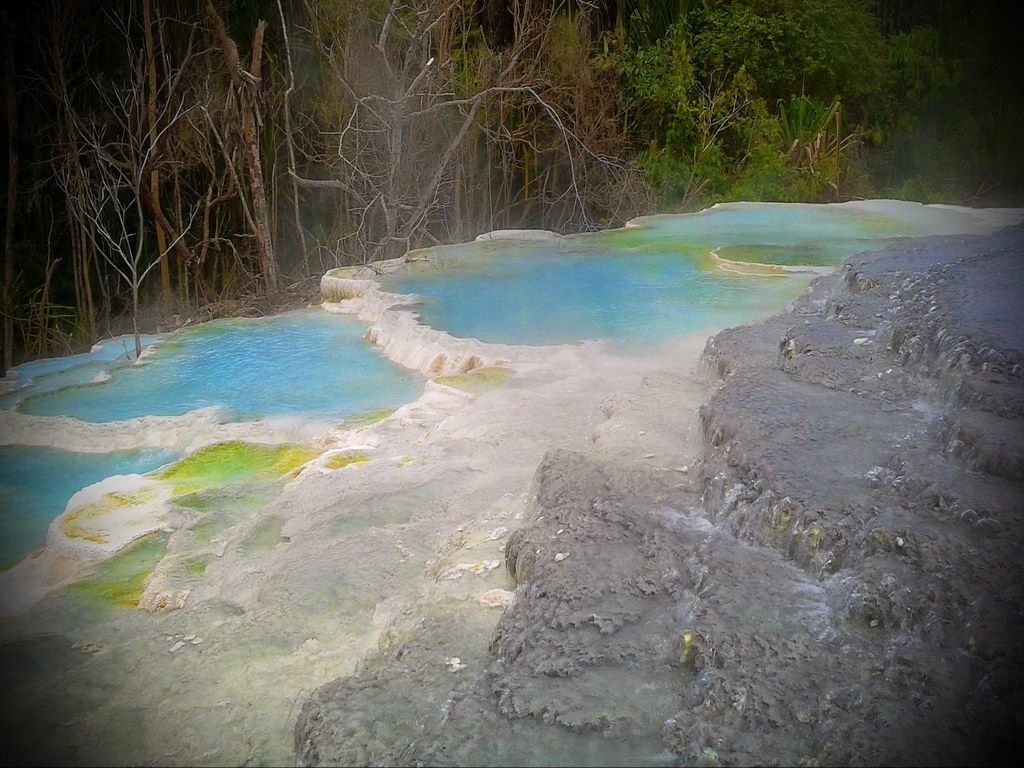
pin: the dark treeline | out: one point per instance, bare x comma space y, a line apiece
165, 156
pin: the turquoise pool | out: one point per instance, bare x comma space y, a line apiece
36, 484
519, 293
646, 283
307, 363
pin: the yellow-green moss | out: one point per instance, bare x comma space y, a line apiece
74, 524
815, 538
783, 519
687, 649
407, 460
879, 537
363, 419
227, 463
339, 460
120, 580
194, 566
478, 381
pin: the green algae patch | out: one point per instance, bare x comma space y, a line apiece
339, 460
80, 523
479, 381
410, 460
194, 566
229, 463
120, 580
265, 536
365, 419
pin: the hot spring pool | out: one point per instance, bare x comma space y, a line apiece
36, 483
307, 363
527, 293
649, 282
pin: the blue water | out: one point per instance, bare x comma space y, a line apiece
37, 376
644, 284
36, 484
537, 295
306, 363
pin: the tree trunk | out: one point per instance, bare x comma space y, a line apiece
12, 198
154, 182
90, 307
290, 143
44, 308
135, 318
246, 90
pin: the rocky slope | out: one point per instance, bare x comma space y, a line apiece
835, 580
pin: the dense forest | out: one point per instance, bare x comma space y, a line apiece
168, 161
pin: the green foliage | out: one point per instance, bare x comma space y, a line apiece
819, 48
659, 85
753, 100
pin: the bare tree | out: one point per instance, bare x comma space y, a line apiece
406, 122
109, 181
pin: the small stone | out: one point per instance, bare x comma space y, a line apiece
648, 455
862, 340
497, 598
873, 623
189, 638
88, 647
561, 556
463, 568
497, 533
197, 641
177, 646
455, 663
900, 542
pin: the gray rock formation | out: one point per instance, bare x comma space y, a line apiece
838, 583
